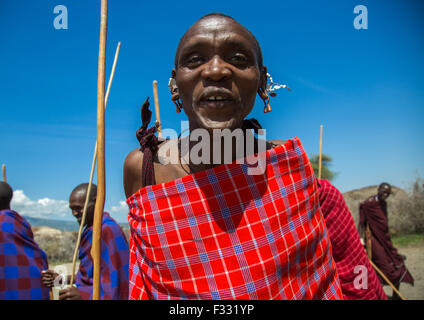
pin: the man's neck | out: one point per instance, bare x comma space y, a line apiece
239, 150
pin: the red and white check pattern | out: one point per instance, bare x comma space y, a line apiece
225, 234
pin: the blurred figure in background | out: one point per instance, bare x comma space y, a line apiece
348, 252
114, 255
373, 212
21, 259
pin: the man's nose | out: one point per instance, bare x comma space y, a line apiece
216, 69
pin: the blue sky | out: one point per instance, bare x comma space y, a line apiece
365, 86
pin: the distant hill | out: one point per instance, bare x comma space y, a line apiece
56, 224
59, 224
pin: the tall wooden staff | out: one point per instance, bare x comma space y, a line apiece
101, 189
93, 164
368, 241
320, 153
155, 95
3, 167
387, 280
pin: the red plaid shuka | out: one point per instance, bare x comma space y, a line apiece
224, 234
348, 251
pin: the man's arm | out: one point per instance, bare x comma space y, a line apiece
132, 172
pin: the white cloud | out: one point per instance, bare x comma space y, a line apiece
42, 208
120, 213
47, 208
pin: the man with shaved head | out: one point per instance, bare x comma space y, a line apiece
214, 231
373, 212
114, 254
21, 259
203, 230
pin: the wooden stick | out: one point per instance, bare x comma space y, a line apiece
320, 153
369, 252
3, 167
101, 188
155, 95
387, 280
368, 241
93, 164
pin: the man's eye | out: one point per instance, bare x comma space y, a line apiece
238, 58
194, 61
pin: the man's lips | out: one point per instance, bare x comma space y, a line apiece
216, 98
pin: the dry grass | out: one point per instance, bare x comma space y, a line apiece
58, 245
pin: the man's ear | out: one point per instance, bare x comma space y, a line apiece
173, 85
262, 84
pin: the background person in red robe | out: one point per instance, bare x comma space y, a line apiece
373, 212
348, 252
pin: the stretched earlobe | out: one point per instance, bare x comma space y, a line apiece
265, 98
176, 100
172, 85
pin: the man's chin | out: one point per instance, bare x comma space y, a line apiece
219, 124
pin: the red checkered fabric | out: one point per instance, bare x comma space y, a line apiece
225, 234
349, 254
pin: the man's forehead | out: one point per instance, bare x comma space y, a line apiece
217, 27
77, 194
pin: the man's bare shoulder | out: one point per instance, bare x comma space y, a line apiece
165, 165
133, 158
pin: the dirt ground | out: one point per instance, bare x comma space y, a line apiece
415, 263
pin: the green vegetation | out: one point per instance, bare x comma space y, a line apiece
414, 239
326, 172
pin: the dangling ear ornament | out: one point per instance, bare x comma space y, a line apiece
270, 88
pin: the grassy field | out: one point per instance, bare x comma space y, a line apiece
416, 239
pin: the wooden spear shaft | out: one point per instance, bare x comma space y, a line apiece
368, 241
101, 187
156, 96
387, 280
93, 164
320, 153
3, 167
369, 252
